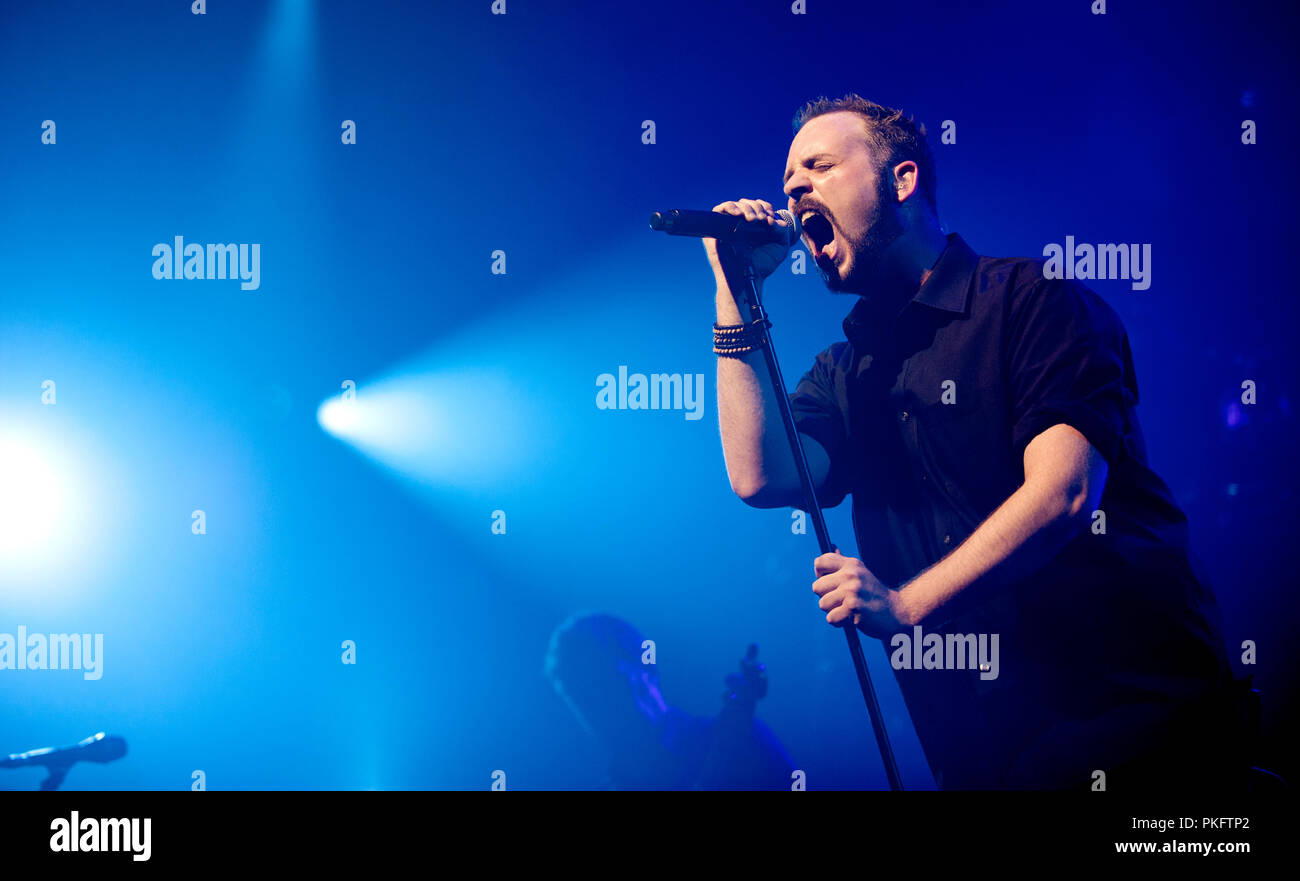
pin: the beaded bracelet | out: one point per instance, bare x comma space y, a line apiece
739, 339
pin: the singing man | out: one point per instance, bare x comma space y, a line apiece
983, 418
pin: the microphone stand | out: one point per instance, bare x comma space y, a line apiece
752, 303
58, 760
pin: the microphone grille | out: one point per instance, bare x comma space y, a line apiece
792, 224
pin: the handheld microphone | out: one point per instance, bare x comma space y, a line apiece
726, 227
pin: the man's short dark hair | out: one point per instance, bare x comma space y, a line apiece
893, 136
593, 646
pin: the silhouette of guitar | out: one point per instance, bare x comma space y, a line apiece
733, 742
745, 689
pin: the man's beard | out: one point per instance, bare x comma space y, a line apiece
868, 249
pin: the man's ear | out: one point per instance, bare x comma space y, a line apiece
905, 180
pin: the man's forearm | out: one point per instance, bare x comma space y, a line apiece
749, 421
1016, 540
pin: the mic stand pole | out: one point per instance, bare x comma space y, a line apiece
753, 304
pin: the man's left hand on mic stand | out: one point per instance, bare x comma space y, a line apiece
848, 589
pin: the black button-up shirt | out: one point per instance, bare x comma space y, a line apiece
925, 410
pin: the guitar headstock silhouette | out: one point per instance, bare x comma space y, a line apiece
744, 689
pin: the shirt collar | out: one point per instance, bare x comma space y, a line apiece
948, 287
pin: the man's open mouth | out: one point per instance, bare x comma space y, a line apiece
818, 232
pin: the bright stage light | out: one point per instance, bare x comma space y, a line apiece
338, 416
33, 498
52, 530
430, 424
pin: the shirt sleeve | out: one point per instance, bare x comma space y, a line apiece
819, 404
1068, 363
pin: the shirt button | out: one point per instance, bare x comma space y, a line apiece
903, 416
947, 539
